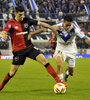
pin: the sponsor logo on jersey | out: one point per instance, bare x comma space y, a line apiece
16, 27
22, 33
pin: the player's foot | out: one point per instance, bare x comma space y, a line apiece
1, 87
66, 75
64, 84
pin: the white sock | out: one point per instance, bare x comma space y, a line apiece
60, 76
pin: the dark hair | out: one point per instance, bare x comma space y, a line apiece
19, 8
68, 18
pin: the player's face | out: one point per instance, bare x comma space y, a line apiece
67, 25
19, 16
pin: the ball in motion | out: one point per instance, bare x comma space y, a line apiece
59, 88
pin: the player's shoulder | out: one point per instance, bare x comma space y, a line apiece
26, 18
11, 21
75, 25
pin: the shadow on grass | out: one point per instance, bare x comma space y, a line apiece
27, 91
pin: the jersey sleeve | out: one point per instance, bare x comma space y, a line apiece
7, 26
80, 33
78, 30
31, 21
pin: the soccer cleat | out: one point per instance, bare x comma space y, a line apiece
66, 75
1, 87
64, 84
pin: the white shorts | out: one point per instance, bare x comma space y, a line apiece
67, 56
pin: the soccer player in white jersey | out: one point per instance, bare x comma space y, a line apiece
66, 48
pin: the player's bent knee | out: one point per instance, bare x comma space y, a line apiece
59, 65
12, 74
44, 61
40, 58
13, 70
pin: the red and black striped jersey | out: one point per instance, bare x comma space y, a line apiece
19, 32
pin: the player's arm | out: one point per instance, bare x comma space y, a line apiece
87, 40
82, 36
54, 29
36, 32
3, 35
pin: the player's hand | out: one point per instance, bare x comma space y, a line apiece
29, 36
4, 36
56, 28
87, 40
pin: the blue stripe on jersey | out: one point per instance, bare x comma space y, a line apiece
75, 24
66, 38
84, 37
46, 29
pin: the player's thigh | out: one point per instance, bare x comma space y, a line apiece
59, 57
33, 53
41, 59
18, 59
59, 60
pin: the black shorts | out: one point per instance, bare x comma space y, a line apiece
20, 56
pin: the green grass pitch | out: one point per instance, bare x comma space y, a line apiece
32, 82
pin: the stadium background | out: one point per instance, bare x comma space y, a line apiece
32, 82
50, 11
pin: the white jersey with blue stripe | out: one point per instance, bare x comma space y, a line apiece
67, 37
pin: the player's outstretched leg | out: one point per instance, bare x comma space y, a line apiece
40, 58
9, 76
6, 79
52, 72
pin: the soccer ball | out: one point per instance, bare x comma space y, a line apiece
59, 88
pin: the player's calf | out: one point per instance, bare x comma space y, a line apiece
6, 79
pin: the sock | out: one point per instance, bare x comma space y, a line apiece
6, 79
52, 72
60, 76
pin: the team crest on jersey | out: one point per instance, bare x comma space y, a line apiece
25, 25
16, 27
9, 26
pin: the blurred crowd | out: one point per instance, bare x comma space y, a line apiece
49, 6
50, 9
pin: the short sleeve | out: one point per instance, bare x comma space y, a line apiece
31, 21
7, 27
80, 33
78, 30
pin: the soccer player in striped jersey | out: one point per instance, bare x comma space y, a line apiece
66, 47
